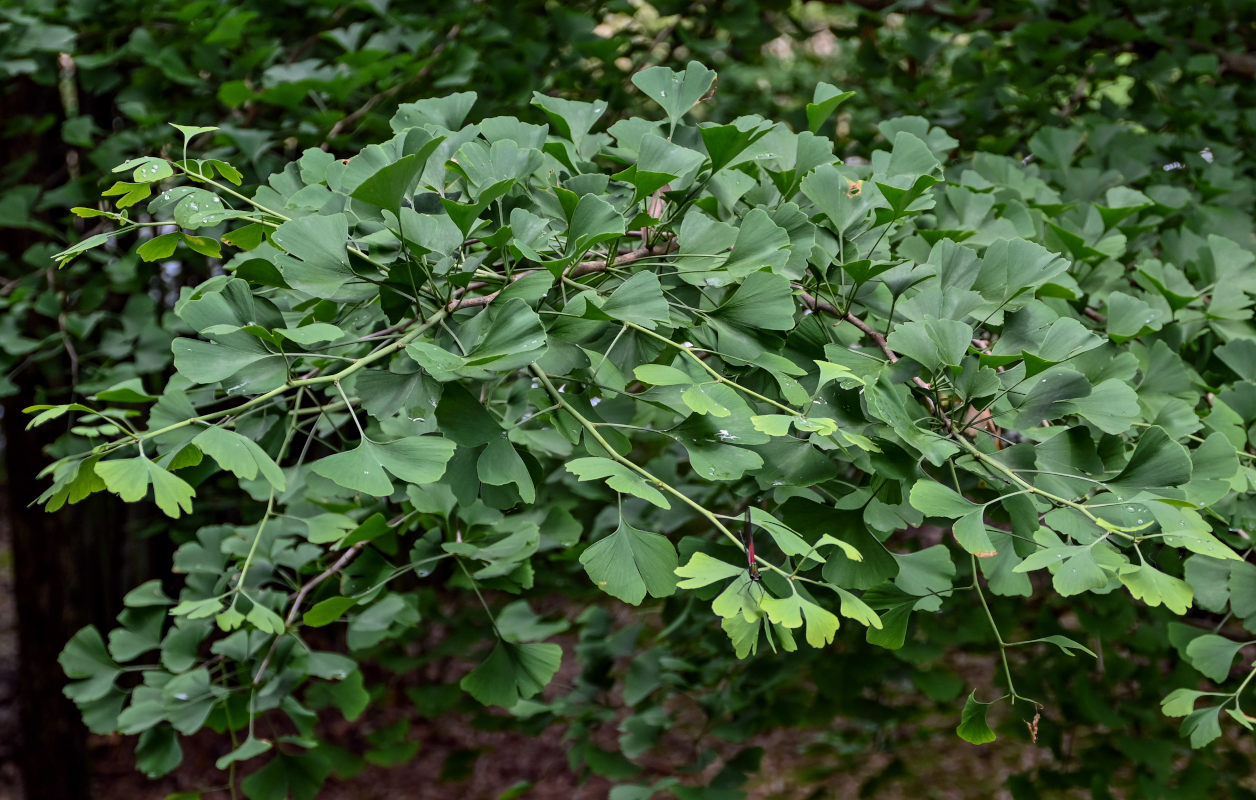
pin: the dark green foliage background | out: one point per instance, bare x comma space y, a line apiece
1149, 100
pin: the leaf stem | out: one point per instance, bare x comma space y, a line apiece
295, 383
998, 637
713, 372
591, 428
1029, 487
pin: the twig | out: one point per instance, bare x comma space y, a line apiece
582, 268
392, 90
1095, 315
309, 586
875, 335
597, 265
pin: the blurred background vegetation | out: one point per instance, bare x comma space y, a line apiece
85, 84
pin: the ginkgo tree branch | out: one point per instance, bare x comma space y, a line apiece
592, 430
370, 358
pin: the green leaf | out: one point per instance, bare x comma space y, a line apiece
1240, 356
910, 156
1203, 726
661, 375
1112, 407
239, 455
1180, 702
572, 119
444, 112
933, 343
189, 132
86, 660
855, 608
936, 500
1129, 317
1184, 527
388, 186
208, 362
618, 477
312, 333
676, 92
515, 339
327, 611
1065, 644
129, 479
350, 696
129, 391
973, 727
158, 752
822, 624
763, 300
249, 748
288, 777
638, 300
149, 170
970, 532
1056, 146
1048, 397
760, 244
357, 469
160, 247
824, 102
703, 570
1157, 461
264, 619
500, 464
710, 398
415, 459
198, 608
315, 260
1074, 569
1154, 587
1213, 655
147, 594
631, 562
1242, 585
513, 671
771, 424
593, 222
791, 612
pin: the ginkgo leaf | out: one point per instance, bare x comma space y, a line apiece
129, 478
365, 468
618, 477
631, 562
513, 672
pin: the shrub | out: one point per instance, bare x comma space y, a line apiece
480, 362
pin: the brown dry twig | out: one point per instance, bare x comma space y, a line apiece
461, 301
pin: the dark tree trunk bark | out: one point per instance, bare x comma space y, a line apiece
64, 578
66, 565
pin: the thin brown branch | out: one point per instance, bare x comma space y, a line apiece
345, 559
597, 265
582, 268
875, 335
419, 76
